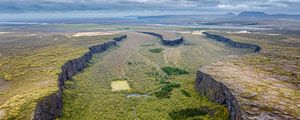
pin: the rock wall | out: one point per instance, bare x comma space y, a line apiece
174, 42
232, 43
218, 92
166, 42
50, 107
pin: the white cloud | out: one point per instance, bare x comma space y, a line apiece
196, 5
233, 7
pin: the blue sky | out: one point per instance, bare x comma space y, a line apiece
148, 7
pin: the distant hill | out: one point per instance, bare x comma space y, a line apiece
252, 14
262, 15
242, 15
167, 16
230, 14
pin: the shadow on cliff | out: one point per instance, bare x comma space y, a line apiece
217, 91
164, 41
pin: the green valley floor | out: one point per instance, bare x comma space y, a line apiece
144, 80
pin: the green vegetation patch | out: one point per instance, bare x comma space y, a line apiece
167, 86
191, 112
162, 94
170, 87
145, 45
166, 89
156, 50
185, 93
174, 71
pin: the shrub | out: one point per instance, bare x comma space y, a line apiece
162, 94
148, 45
174, 71
163, 81
156, 50
185, 93
166, 90
129, 63
190, 112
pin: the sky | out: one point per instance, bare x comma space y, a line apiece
148, 6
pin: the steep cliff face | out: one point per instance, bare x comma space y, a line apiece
51, 106
120, 38
174, 42
248, 94
217, 91
167, 42
232, 43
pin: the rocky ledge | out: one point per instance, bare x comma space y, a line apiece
232, 43
217, 91
248, 94
167, 42
50, 107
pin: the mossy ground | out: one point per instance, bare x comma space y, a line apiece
89, 95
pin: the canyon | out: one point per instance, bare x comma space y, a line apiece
167, 74
51, 107
230, 82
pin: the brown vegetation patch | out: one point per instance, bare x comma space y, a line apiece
120, 85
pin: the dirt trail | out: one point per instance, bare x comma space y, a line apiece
116, 60
125, 66
1, 113
172, 55
3, 84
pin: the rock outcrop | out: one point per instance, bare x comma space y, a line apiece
248, 94
50, 107
218, 92
167, 42
232, 43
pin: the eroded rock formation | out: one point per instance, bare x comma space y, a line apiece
167, 42
218, 92
50, 107
248, 94
232, 43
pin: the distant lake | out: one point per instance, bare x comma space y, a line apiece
107, 17
85, 14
